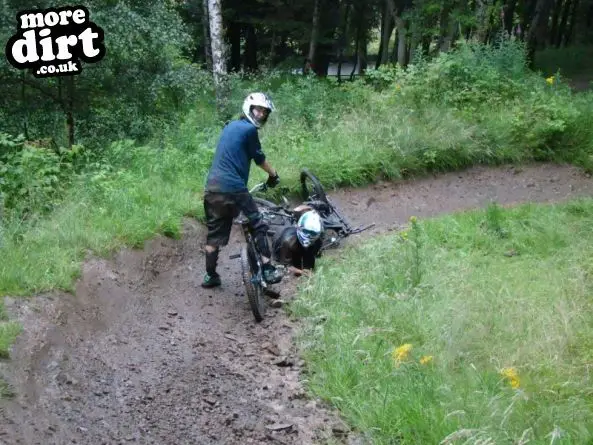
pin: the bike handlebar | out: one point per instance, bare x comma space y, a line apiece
261, 187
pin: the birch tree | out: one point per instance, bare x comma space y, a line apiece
218, 50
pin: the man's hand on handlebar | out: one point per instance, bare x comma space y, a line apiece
273, 181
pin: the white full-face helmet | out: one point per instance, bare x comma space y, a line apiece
257, 99
309, 228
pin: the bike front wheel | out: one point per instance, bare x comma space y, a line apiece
255, 294
311, 188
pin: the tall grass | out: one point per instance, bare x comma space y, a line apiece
494, 339
570, 61
389, 125
140, 192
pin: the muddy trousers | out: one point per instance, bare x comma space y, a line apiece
220, 210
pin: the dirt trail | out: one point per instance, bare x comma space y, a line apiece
142, 354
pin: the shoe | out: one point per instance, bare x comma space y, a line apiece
271, 274
273, 294
211, 281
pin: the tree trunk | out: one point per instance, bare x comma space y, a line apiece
401, 34
250, 48
355, 54
272, 52
379, 54
537, 30
23, 102
329, 18
343, 40
314, 33
361, 55
426, 45
509, 12
70, 112
447, 43
415, 40
393, 55
528, 9
402, 43
217, 41
561, 31
481, 20
387, 30
553, 35
207, 43
234, 32
361, 43
571, 29
443, 25
218, 51
281, 49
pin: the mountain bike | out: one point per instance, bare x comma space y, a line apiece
335, 224
251, 259
336, 227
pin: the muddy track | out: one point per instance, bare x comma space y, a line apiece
142, 354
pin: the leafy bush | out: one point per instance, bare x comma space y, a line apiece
568, 60
521, 116
34, 176
469, 76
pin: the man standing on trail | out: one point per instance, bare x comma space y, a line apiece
226, 192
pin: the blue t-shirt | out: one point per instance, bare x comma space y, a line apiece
237, 146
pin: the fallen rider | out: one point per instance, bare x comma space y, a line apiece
297, 247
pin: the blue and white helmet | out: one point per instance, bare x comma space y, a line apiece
257, 99
309, 228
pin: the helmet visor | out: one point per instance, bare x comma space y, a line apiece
306, 237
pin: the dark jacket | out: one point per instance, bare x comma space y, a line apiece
237, 146
289, 251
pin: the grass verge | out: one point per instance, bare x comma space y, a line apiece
9, 330
475, 327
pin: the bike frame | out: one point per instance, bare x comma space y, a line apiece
257, 275
332, 219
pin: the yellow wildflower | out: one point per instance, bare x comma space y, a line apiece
550, 80
401, 353
512, 376
404, 234
426, 359
413, 219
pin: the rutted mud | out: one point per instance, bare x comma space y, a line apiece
142, 354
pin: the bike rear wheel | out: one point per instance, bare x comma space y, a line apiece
255, 294
311, 188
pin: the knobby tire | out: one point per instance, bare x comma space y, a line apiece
255, 294
316, 193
